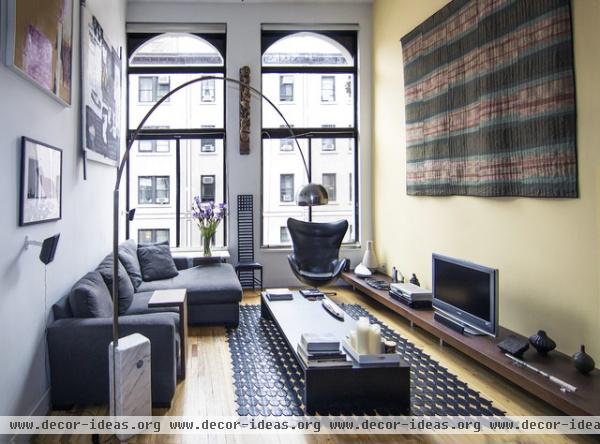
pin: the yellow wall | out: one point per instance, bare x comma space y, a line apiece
547, 250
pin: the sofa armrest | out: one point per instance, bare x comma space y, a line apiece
78, 351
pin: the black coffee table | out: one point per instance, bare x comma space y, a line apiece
346, 389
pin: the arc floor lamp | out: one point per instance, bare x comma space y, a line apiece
310, 195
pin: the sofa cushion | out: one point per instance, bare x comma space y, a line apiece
90, 297
156, 262
205, 284
129, 258
140, 306
126, 289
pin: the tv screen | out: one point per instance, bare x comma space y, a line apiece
466, 291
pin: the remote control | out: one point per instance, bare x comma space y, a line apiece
333, 309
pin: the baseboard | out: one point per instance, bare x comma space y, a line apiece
41, 408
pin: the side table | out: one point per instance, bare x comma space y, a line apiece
174, 298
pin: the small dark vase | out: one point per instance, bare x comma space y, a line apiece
583, 362
542, 343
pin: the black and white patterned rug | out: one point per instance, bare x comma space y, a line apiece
269, 382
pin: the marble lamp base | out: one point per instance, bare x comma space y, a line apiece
132, 378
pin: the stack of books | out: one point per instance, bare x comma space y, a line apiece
279, 294
321, 350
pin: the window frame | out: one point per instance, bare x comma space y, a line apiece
329, 186
154, 188
333, 98
154, 232
213, 91
214, 187
219, 42
349, 40
286, 98
283, 192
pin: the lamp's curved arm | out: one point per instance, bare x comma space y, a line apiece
133, 137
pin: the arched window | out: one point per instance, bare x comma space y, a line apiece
307, 49
181, 151
311, 76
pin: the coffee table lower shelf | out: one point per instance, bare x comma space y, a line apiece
346, 390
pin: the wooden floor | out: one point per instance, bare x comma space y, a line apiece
208, 390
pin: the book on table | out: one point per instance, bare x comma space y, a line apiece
323, 359
313, 342
279, 294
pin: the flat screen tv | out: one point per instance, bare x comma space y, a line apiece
466, 294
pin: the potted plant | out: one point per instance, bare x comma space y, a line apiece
207, 215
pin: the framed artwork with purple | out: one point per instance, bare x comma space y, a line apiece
41, 182
39, 44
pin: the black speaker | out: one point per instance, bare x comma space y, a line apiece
49, 249
449, 323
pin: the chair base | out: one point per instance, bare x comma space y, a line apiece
250, 268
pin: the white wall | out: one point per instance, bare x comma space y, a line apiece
243, 48
85, 226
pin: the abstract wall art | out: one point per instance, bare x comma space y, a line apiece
490, 100
101, 89
39, 44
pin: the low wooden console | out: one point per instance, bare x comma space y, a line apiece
585, 401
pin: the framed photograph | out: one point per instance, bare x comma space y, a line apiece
41, 182
40, 44
101, 92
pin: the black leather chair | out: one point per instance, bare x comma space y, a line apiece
315, 260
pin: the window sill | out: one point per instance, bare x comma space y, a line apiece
152, 206
287, 249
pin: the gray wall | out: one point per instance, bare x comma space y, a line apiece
85, 226
243, 48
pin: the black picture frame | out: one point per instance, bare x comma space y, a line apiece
40, 182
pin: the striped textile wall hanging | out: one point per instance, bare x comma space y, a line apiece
490, 100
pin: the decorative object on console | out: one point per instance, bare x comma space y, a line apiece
514, 346
542, 343
583, 362
564, 386
492, 115
48, 245
362, 272
369, 259
41, 183
377, 284
101, 92
40, 44
207, 215
394, 275
414, 280
244, 110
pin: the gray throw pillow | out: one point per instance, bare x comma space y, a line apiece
129, 258
126, 289
90, 298
156, 262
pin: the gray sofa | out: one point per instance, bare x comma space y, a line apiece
78, 346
